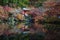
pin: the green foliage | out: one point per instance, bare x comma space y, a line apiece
42, 0
22, 3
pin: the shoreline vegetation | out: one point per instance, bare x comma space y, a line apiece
39, 21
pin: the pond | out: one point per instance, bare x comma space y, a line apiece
34, 31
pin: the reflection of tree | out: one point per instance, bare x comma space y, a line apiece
52, 31
3, 27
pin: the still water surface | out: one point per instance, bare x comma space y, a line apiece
33, 28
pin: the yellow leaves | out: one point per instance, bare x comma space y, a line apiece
3, 13
21, 25
1, 9
20, 17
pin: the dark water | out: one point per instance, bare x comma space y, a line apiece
32, 32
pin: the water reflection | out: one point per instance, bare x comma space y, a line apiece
3, 27
33, 28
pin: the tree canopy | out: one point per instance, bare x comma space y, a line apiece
23, 3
